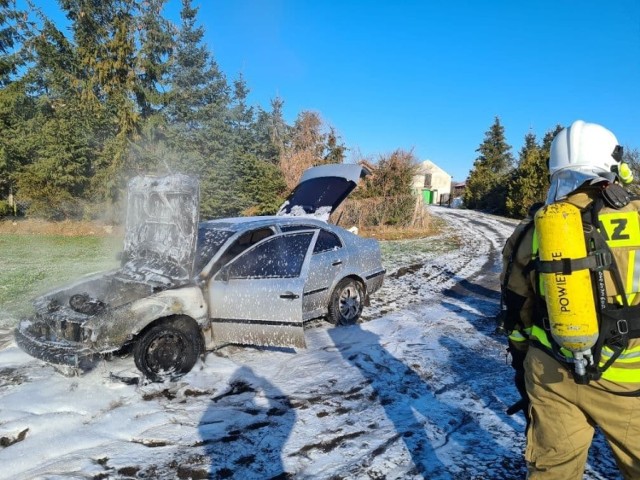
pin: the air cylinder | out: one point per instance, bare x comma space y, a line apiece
569, 296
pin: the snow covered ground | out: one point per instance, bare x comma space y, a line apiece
418, 389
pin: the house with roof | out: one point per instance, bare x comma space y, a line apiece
432, 182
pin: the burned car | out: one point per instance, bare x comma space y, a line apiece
186, 287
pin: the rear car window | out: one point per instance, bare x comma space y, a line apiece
326, 240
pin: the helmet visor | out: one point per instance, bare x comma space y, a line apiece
565, 181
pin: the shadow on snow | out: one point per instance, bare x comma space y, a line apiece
423, 422
257, 419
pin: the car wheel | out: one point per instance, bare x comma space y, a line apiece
346, 302
169, 349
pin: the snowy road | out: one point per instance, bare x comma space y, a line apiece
419, 389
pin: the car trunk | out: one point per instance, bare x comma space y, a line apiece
321, 190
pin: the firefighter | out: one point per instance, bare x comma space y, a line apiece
573, 316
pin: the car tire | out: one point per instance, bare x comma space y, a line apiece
168, 349
347, 301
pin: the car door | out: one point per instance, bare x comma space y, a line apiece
257, 298
327, 264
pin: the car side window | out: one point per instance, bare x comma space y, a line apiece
244, 242
209, 242
326, 239
279, 257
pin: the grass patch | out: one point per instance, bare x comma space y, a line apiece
386, 232
401, 253
68, 228
33, 264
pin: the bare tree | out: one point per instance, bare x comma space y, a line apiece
311, 143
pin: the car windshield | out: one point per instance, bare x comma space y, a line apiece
209, 242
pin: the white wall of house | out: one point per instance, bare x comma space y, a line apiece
433, 178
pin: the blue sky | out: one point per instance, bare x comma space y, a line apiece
432, 75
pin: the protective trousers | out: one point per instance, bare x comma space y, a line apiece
563, 415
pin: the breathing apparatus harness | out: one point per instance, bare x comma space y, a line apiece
616, 323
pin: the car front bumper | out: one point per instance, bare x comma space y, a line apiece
34, 340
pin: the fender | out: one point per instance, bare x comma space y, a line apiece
109, 332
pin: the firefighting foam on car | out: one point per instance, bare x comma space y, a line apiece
185, 287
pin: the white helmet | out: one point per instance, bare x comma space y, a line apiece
586, 147
581, 153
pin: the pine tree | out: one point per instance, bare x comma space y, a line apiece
487, 183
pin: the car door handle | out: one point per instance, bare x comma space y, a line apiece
336, 263
289, 295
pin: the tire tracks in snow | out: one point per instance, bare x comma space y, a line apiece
460, 271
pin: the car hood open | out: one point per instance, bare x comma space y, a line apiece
161, 225
322, 189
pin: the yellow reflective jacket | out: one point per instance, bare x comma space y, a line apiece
621, 230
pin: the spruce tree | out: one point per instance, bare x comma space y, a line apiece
252, 164
545, 149
199, 126
12, 30
487, 183
156, 40
16, 106
241, 115
278, 130
18, 135
528, 183
263, 183
59, 131
199, 93
271, 132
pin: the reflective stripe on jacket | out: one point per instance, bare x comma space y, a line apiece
626, 368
